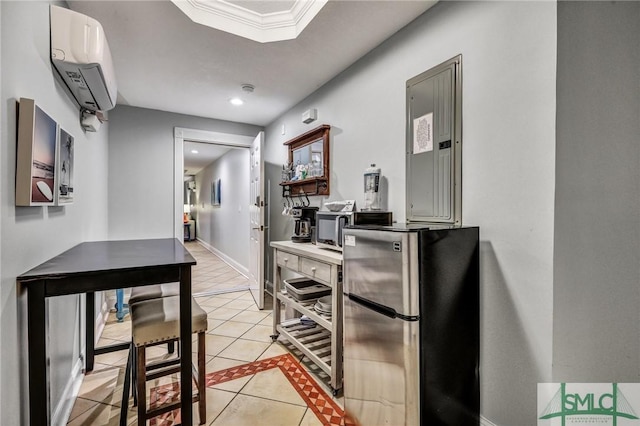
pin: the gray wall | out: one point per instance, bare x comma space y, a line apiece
141, 168
597, 225
509, 65
31, 235
226, 227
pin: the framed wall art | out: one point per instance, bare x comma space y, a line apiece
215, 192
35, 156
64, 168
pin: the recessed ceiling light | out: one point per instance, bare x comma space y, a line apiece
236, 101
194, 151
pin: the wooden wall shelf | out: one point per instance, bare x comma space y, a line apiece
301, 151
309, 186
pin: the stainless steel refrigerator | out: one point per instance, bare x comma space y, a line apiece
411, 325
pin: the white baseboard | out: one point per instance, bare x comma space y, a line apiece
229, 261
62, 412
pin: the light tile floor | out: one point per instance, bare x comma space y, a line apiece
238, 333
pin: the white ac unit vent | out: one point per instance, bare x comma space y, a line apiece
81, 56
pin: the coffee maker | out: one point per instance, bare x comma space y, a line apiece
305, 223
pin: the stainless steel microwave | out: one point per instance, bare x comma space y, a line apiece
329, 225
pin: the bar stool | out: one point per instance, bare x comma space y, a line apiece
148, 292
142, 293
156, 321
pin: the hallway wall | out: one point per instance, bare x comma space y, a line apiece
226, 227
141, 168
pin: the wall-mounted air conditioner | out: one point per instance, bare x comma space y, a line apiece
81, 56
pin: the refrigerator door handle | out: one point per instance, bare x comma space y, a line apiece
381, 309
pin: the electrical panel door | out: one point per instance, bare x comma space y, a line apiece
434, 145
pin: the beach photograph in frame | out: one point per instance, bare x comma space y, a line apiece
64, 168
36, 156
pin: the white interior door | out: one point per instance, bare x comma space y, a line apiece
256, 216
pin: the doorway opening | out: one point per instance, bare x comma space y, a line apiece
212, 192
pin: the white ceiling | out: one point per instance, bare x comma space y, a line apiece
206, 153
165, 61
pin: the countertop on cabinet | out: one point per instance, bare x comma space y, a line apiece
309, 249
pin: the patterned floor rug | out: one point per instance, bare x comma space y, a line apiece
327, 411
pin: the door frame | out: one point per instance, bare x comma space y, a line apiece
180, 135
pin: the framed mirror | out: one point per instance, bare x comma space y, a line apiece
308, 171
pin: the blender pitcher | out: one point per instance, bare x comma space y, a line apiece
372, 188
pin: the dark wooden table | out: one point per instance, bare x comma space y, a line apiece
97, 266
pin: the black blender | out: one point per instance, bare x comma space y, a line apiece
305, 223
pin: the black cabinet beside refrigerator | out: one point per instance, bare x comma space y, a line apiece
411, 325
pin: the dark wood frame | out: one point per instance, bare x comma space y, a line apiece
316, 185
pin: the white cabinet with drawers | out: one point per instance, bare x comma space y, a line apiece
322, 342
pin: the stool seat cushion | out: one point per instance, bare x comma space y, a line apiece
156, 291
158, 320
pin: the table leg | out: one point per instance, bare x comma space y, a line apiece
185, 343
90, 327
39, 404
